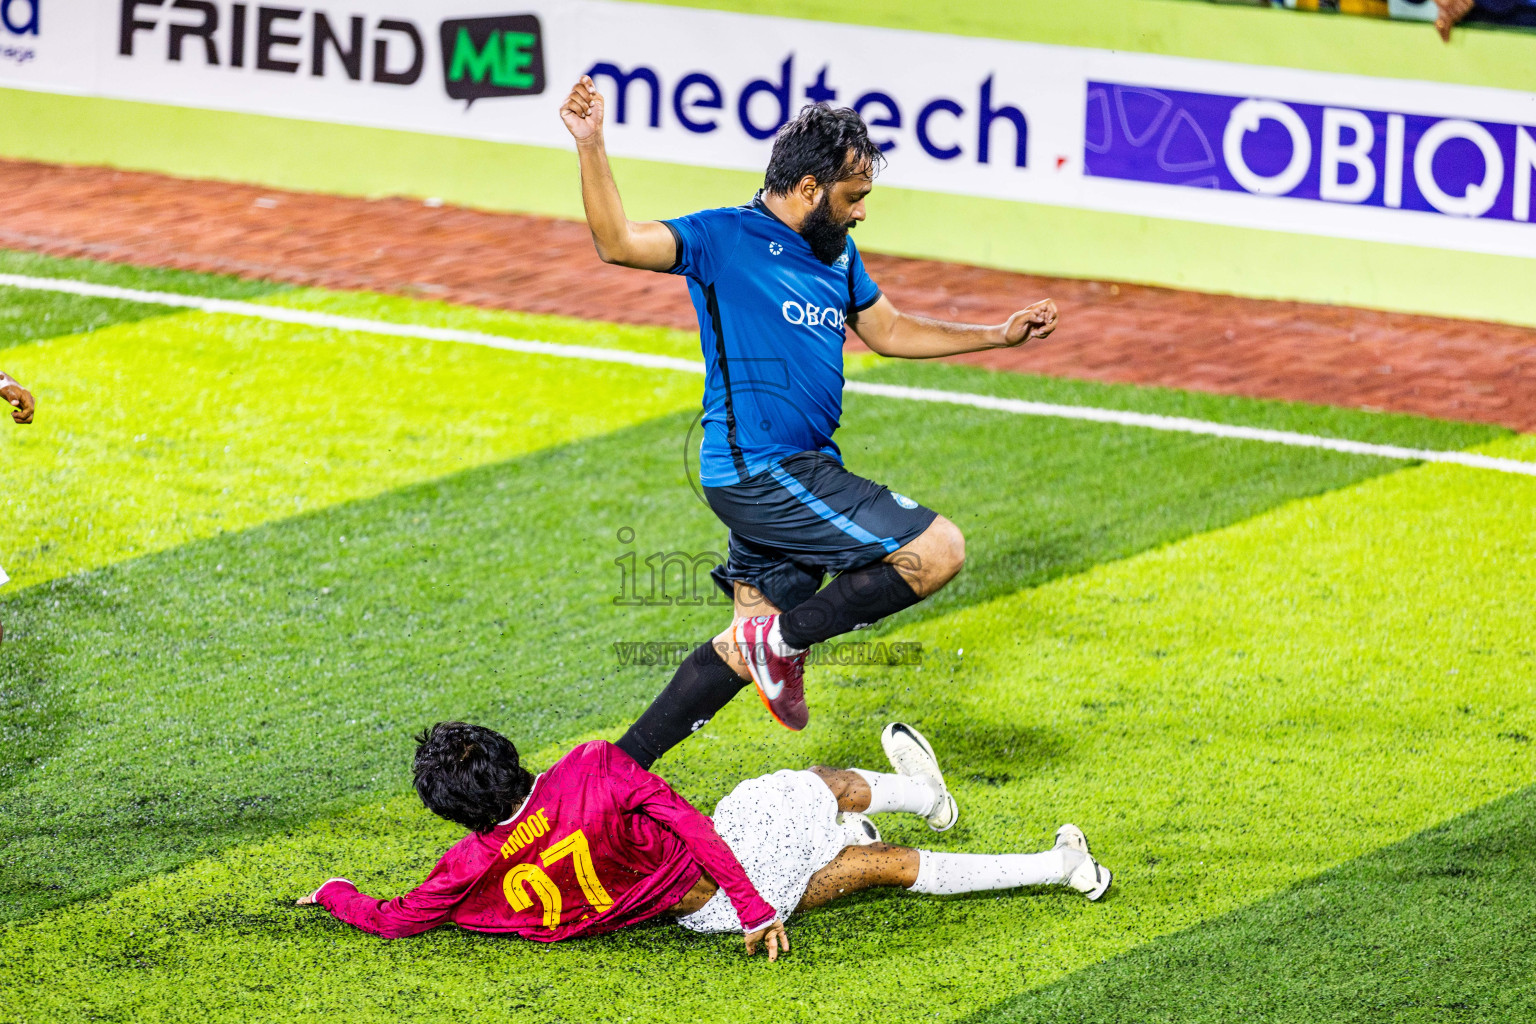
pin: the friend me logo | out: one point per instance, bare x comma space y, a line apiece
1445, 165
484, 57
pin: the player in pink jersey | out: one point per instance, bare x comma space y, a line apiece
597, 843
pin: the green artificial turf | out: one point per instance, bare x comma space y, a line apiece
1438, 928
217, 691
1228, 713
27, 315
1226, 716
154, 433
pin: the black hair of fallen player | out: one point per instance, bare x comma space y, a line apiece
826, 143
469, 774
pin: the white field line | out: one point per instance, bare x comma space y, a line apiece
1150, 421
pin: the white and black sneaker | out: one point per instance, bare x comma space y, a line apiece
1089, 877
911, 755
858, 830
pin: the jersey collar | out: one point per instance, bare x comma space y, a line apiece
762, 207
524, 804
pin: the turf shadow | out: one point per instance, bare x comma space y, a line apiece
1438, 927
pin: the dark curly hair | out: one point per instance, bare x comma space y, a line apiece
469, 774
827, 144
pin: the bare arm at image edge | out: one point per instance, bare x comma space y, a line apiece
20, 398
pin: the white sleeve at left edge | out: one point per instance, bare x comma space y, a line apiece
4, 579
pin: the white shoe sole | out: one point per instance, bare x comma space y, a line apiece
912, 755
1090, 878
858, 829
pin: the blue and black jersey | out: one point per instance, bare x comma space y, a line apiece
771, 318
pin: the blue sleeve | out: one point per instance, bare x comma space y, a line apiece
704, 242
862, 290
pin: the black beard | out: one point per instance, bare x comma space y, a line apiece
826, 239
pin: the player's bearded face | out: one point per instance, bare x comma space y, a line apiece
825, 234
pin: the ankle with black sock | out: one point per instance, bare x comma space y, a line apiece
859, 597
702, 685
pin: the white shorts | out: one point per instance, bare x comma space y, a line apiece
783, 828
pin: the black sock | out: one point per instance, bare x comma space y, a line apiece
859, 597
702, 685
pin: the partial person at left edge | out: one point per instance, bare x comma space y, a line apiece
21, 411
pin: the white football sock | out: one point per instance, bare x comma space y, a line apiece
944, 874
898, 793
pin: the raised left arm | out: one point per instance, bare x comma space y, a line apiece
890, 332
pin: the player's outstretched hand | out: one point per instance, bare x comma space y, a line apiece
19, 398
583, 111
1037, 320
774, 937
313, 898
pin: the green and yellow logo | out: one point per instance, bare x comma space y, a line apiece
500, 56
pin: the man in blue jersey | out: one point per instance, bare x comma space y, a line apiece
774, 282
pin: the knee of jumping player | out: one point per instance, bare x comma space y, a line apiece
941, 557
953, 543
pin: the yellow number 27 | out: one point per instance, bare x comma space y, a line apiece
543, 887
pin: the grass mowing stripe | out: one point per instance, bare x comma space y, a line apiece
164, 431
570, 351
29, 314
1226, 716
1439, 927
219, 691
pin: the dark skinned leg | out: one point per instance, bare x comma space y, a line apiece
858, 867
851, 790
878, 865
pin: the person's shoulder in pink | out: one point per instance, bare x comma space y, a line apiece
594, 844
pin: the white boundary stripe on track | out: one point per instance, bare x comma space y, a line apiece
1150, 421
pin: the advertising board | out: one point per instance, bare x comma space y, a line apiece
1308, 152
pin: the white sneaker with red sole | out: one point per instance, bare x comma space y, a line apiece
777, 668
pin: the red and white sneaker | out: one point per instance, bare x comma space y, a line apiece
777, 668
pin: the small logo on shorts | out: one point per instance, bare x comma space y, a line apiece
903, 500
775, 248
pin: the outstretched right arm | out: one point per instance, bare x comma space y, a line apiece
647, 245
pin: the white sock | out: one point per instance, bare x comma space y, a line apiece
898, 793
944, 874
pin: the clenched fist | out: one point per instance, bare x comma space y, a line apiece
1037, 320
583, 111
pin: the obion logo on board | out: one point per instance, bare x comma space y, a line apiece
1456, 166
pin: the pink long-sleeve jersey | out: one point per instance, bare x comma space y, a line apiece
599, 844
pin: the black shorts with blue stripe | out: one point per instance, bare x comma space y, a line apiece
806, 516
